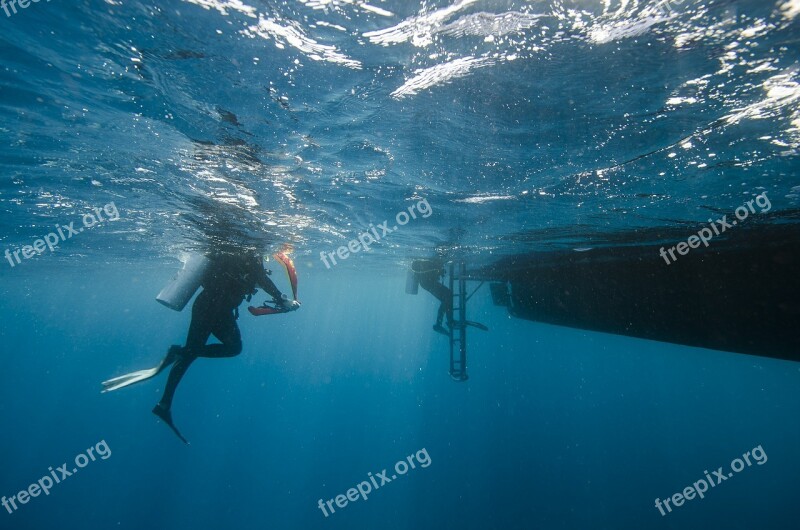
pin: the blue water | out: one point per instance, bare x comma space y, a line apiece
524, 126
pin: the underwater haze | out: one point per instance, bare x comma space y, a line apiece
363, 139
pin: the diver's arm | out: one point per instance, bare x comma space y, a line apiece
281, 299
282, 302
266, 283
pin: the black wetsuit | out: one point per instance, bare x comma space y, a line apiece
429, 280
226, 284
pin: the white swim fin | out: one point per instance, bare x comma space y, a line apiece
141, 375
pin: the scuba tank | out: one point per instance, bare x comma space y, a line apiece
412, 282
185, 283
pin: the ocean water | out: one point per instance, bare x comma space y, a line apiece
155, 130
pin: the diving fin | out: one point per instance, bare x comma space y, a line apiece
166, 417
459, 325
265, 310
128, 379
140, 375
291, 271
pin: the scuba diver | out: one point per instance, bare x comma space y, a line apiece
227, 280
429, 273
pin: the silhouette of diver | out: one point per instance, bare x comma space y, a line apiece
429, 273
229, 279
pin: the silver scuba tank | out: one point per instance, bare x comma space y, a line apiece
185, 283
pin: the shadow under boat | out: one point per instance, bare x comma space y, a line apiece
740, 294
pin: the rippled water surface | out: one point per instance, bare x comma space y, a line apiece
525, 125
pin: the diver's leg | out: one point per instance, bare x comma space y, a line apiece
163, 407
175, 375
438, 326
172, 355
200, 326
225, 329
447, 306
445, 296
199, 331
440, 314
